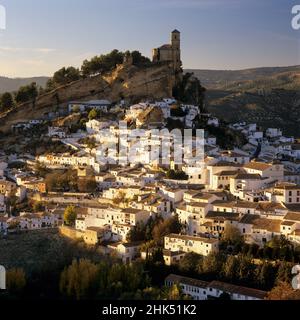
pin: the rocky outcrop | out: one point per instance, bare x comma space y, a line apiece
125, 82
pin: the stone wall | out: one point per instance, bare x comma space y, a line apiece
71, 232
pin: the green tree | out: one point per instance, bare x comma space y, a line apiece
65, 75
282, 291
137, 233
230, 268
173, 293
27, 93
284, 272
161, 229
50, 85
6, 101
245, 269
87, 185
176, 175
189, 262
15, 280
266, 275
232, 235
157, 255
93, 114
79, 279
139, 59
102, 63
70, 216
212, 264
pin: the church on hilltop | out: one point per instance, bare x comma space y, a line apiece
169, 52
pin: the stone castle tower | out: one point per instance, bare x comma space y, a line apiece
169, 52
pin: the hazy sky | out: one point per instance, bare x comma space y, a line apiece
44, 35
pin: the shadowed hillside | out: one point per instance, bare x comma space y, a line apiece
268, 96
228, 79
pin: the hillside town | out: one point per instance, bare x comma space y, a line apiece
108, 173
254, 188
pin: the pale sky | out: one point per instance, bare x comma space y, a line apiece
42, 36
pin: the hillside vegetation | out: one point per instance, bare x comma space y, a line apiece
113, 76
221, 79
268, 96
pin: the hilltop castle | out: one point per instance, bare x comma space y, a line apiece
169, 52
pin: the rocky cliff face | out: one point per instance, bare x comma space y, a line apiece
126, 81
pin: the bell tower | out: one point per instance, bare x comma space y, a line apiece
175, 43
175, 39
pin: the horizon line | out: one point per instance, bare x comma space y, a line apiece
188, 68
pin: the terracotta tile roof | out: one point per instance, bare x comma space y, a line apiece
197, 239
197, 204
170, 253
257, 165
287, 186
270, 206
222, 215
223, 286
253, 176
231, 288
186, 280
287, 223
249, 218
292, 216
225, 164
226, 173
225, 204
272, 225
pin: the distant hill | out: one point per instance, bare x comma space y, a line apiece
226, 79
268, 96
13, 84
